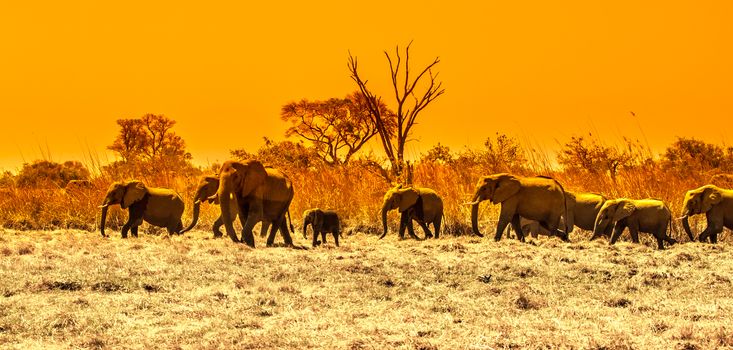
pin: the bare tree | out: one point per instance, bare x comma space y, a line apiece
409, 101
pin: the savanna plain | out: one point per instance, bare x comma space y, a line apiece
75, 289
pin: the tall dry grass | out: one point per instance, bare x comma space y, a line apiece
355, 192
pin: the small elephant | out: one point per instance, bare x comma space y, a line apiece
537, 198
582, 211
414, 203
323, 221
717, 205
643, 215
157, 206
206, 192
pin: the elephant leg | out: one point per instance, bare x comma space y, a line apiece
285, 232
505, 217
436, 225
264, 228
634, 231
411, 230
425, 229
336, 234
403, 225
501, 226
273, 231
249, 222
617, 229
216, 227
133, 230
323, 236
126, 228
517, 227
714, 238
315, 238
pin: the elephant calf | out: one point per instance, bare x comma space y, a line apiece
644, 215
323, 222
157, 206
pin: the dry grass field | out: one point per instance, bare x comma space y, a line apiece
74, 289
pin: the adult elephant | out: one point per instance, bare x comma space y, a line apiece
261, 195
537, 198
414, 203
206, 192
640, 215
582, 211
717, 205
157, 206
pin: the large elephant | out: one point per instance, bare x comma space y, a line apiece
640, 215
414, 203
206, 192
717, 205
262, 195
582, 211
157, 206
537, 198
322, 221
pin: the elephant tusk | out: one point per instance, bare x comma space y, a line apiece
103, 206
472, 203
198, 201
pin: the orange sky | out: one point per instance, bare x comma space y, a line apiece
541, 71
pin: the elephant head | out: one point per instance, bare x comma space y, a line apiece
699, 201
206, 192
312, 217
400, 198
612, 212
123, 193
241, 179
496, 188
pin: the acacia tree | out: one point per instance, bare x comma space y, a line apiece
336, 128
409, 100
148, 144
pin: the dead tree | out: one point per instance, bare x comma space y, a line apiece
409, 102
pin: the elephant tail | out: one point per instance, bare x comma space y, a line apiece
566, 229
290, 221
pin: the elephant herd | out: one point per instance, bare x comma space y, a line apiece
531, 205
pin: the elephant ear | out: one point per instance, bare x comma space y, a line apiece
134, 192
407, 198
623, 210
506, 187
252, 174
711, 197
318, 218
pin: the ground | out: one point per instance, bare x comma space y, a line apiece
75, 289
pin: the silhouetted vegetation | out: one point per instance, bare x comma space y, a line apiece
44, 174
336, 128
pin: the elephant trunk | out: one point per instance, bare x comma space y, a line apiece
474, 215
384, 221
305, 227
196, 212
686, 225
474, 220
598, 229
225, 202
103, 220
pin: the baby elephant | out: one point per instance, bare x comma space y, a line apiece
645, 215
323, 221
